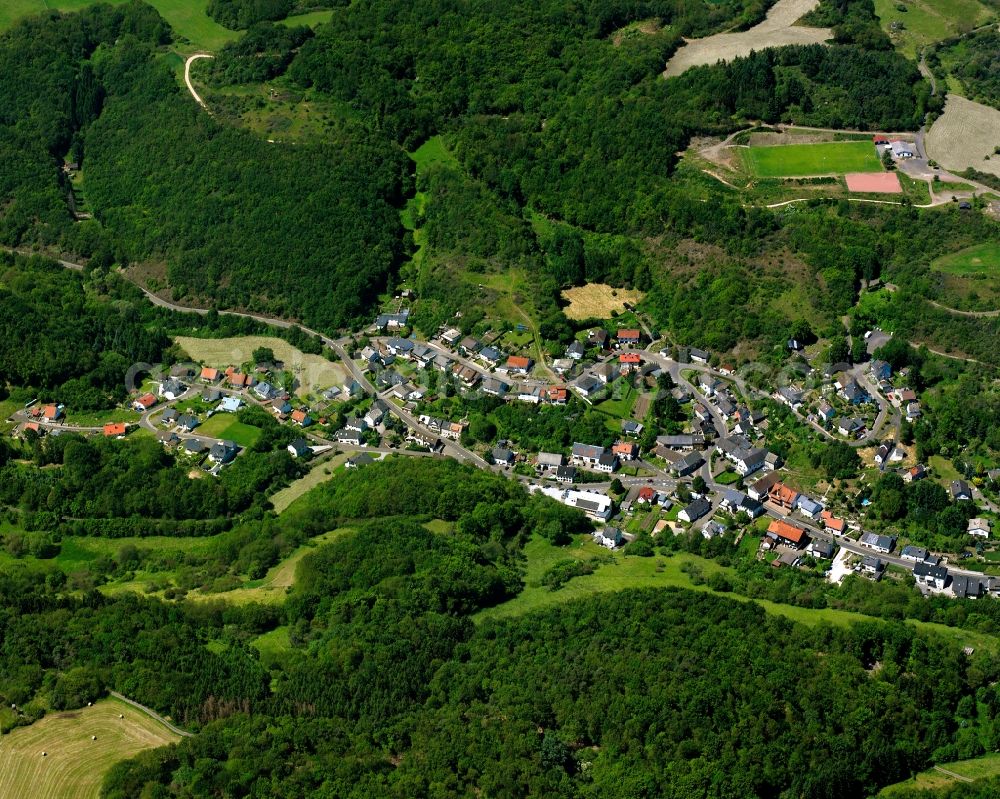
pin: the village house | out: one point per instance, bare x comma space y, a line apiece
563, 365
467, 375
115, 430
451, 336
631, 428
503, 456
299, 448
880, 543
933, 576
172, 388
851, 428
695, 510
145, 402
598, 337
495, 387
223, 452
826, 411
393, 321
518, 365
787, 533
576, 351
629, 362
872, 567
831, 523
606, 372
350, 437
359, 460
565, 474
626, 451
914, 553
610, 537
301, 418
627, 337
683, 442
186, 422
809, 507
587, 385
376, 413
557, 395
530, 393
168, 438
960, 491
549, 460
688, 464
822, 550
230, 404
210, 375
597, 506
469, 346
760, 490
698, 355
194, 446
918, 472
490, 356
966, 587
880, 370
913, 410
400, 347
737, 502
980, 528
782, 497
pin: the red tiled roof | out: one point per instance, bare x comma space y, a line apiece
147, 400
627, 333
208, 373
299, 415
50, 412
518, 362
625, 448
646, 494
557, 394
785, 530
114, 429
630, 357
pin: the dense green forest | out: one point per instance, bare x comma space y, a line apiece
971, 59
238, 14
572, 703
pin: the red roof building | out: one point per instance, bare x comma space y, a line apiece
52, 412
786, 532
209, 375
630, 359
626, 451
557, 395
518, 363
646, 494
628, 336
114, 429
146, 401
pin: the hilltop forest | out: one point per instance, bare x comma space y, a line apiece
574, 125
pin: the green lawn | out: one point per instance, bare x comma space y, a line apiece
977, 260
799, 160
975, 769
188, 18
225, 425
619, 406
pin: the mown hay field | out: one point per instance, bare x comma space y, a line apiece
777, 30
965, 135
74, 764
598, 301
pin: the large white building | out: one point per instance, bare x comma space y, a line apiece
595, 505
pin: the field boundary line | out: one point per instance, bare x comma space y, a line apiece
152, 714
953, 774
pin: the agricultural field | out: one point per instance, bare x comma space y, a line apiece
801, 160
777, 30
926, 21
598, 301
947, 774
965, 135
227, 426
313, 373
74, 765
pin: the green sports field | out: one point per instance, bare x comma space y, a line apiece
803, 160
74, 763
